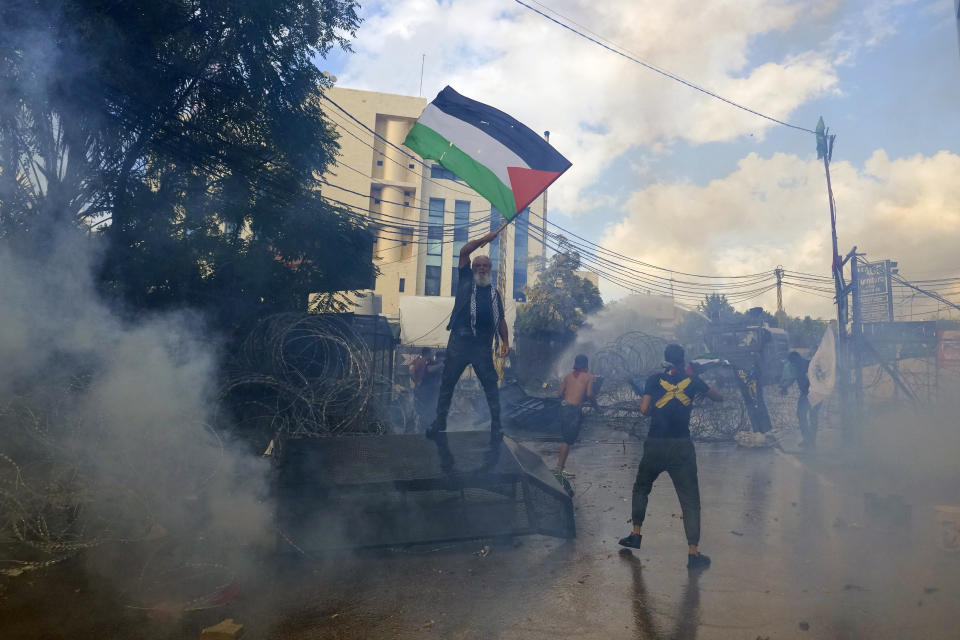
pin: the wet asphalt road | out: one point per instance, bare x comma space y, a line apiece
797, 553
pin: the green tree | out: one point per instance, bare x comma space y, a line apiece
690, 331
190, 134
716, 307
805, 333
557, 305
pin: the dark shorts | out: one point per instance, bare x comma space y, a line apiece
570, 422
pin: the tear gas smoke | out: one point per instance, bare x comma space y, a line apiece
107, 431
649, 318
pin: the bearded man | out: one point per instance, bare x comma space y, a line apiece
476, 318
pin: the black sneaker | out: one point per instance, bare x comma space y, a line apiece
632, 541
697, 562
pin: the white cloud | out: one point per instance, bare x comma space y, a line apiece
865, 29
773, 210
500, 53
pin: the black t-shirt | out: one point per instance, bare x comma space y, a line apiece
672, 396
460, 317
484, 311
801, 372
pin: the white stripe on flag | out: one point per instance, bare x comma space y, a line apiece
473, 141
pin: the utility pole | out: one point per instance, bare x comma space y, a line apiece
857, 331
781, 315
825, 152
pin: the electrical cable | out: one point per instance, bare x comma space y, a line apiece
661, 71
406, 153
598, 253
416, 340
640, 262
631, 286
929, 294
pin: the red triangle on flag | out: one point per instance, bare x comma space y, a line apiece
527, 184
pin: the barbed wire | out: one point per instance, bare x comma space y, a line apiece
299, 375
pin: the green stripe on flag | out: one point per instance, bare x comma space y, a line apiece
429, 144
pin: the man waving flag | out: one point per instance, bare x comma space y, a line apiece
498, 156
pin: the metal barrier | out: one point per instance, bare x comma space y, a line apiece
348, 492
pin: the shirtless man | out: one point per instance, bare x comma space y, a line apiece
576, 388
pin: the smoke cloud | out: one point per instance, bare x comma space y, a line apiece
108, 434
647, 319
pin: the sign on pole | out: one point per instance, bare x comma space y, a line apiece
873, 292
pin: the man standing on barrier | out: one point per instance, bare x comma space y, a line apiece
476, 318
668, 399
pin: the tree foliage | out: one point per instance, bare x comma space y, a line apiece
690, 331
557, 305
716, 307
190, 134
805, 333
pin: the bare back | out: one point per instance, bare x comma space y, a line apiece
576, 387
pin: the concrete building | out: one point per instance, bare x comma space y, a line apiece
423, 216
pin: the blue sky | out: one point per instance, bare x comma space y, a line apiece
667, 175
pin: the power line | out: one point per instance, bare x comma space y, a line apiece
445, 229
401, 204
633, 286
600, 254
929, 294
657, 69
415, 340
600, 248
605, 262
385, 141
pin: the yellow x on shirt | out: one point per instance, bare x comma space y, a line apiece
674, 391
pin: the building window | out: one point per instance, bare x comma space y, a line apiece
379, 163
461, 222
376, 201
409, 166
435, 224
431, 285
406, 203
521, 242
436, 171
403, 283
461, 230
406, 193
495, 222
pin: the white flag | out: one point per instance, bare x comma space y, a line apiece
823, 369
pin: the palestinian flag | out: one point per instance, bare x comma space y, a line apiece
501, 158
